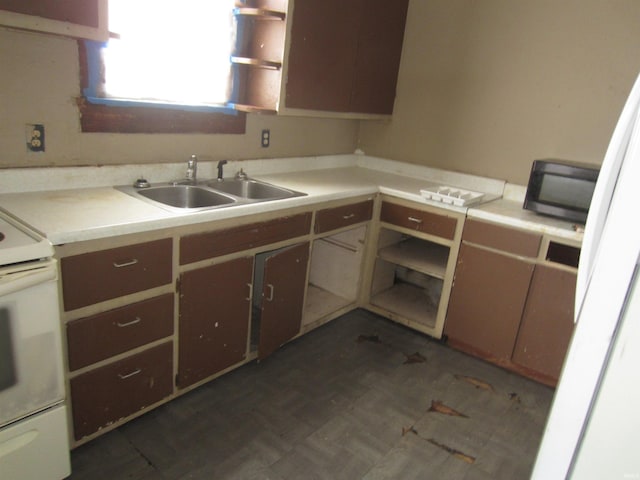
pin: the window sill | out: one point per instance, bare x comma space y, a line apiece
95, 118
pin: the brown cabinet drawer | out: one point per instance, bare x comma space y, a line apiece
419, 220
333, 218
110, 393
222, 242
98, 276
101, 336
501, 238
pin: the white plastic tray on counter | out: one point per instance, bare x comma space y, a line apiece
452, 195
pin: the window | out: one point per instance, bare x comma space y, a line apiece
178, 66
167, 69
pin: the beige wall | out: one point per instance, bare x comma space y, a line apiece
39, 83
486, 86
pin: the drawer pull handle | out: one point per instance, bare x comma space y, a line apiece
271, 289
347, 217
129, 375
128, 324
125, 264
415, 220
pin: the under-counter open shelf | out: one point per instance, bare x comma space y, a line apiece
420, 255
407, 293
412, 272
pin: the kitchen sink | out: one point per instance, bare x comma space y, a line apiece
252, 189
183, 197
186, 196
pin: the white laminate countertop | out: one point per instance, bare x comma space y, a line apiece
72, 214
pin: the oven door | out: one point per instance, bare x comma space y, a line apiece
31, 372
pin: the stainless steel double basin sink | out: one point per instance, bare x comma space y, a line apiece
186, 197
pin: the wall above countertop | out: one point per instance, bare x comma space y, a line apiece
487, 87
41, 82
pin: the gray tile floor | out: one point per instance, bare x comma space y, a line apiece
350, 400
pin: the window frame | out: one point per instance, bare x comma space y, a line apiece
114, 116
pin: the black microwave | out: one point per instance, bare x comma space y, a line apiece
561, 189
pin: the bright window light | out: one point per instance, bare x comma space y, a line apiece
170, 51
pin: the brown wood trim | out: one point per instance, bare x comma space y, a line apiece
112, 119
506, 239
506, 364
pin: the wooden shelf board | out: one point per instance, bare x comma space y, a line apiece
320, 302
408, 301
425, 257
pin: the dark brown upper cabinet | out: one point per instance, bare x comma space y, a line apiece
72, 18
344, 57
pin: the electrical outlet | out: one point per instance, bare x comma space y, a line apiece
265, 139
35, 137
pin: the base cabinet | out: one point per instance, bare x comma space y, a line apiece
512, 299
215, 307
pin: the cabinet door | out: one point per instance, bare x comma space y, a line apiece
322, 58
378, 58
486, 303
345, 56
547, 324
214, 319
284, 283
76, 18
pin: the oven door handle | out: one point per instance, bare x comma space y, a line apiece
15, 282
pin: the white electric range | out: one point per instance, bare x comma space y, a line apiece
34, 440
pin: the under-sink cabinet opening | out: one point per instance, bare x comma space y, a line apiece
334, 273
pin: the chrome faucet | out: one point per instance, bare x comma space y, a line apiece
192, 169
221, 163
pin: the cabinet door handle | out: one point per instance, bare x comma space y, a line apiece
271, 289
347, 217
128, 324
250, 297
129, 375
125, 264
415, 220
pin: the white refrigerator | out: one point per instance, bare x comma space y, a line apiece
593, 430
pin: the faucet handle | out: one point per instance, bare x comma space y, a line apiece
241, 175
